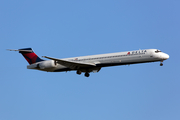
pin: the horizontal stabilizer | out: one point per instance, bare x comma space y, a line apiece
20, 50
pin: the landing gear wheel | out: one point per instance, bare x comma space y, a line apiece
87, 74
161, 64
78, 72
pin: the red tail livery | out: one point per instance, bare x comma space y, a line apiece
29, 55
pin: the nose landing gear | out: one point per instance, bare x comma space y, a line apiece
161, 64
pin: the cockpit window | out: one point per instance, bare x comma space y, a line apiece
157, 51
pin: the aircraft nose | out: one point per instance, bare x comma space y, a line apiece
165, 56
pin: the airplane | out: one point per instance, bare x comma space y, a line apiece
92, 63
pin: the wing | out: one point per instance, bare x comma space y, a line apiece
70, 64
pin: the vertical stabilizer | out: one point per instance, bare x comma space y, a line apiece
29, 55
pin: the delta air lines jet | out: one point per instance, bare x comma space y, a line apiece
92, 63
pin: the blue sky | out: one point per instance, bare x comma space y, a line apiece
75, 28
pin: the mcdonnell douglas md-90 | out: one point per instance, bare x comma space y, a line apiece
92, 63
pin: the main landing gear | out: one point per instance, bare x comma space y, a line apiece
79, 73
86, 74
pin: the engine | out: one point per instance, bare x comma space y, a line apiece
47, 64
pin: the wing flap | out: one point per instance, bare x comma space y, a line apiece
70, 64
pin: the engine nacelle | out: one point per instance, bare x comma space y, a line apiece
47, 64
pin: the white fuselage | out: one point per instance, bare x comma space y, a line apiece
103, 60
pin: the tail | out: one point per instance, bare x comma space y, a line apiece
29, 55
